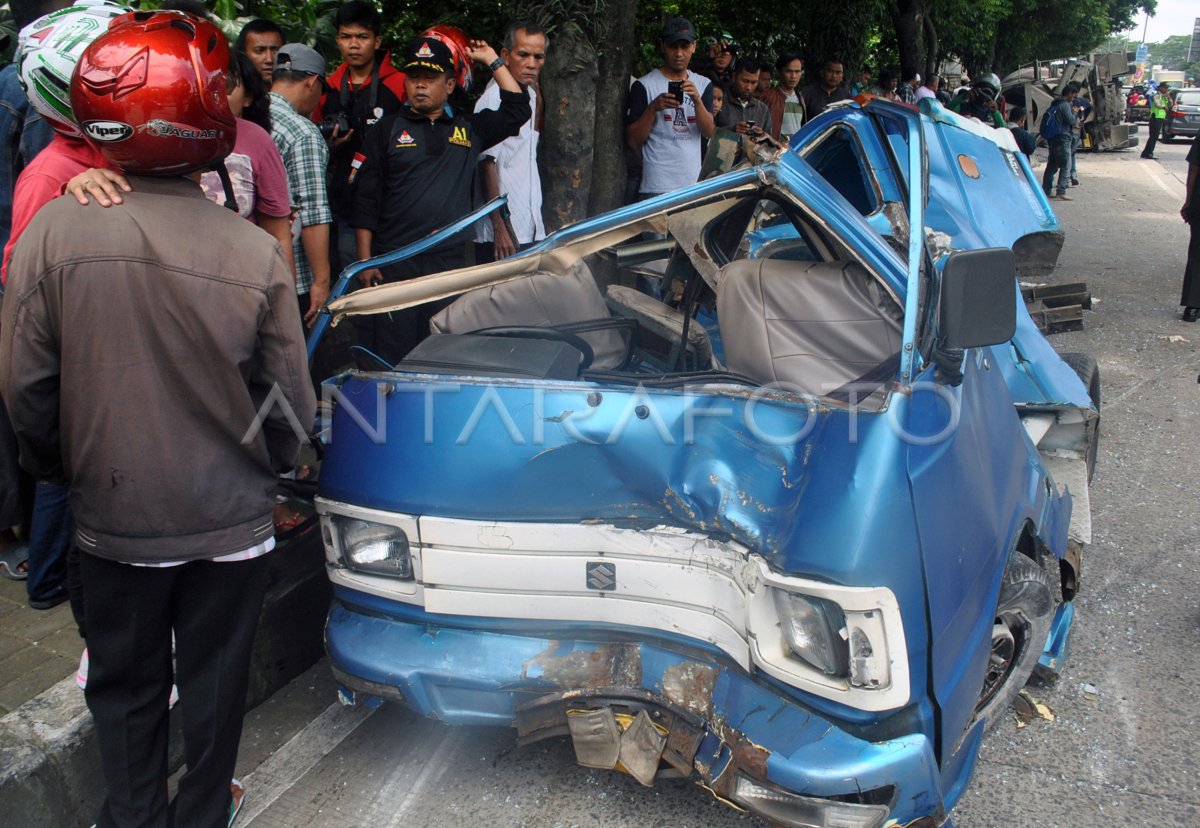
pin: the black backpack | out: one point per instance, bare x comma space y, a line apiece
1051, 125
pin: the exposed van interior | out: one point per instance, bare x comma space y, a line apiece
750, 289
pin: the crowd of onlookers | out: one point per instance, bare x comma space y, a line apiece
674, 109
345, 165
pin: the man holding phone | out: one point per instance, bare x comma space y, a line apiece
744, 113
669, 109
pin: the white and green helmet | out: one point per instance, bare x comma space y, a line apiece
47, 51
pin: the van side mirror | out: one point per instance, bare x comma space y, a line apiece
979, 298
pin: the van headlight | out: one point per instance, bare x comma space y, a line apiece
375, 548
841, 643
838, 641
815, 630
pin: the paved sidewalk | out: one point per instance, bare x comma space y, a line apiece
38, 648
49, 759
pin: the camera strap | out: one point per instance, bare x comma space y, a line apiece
227, 186
372, 94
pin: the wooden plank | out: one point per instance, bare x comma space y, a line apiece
1056, 320
1073, 293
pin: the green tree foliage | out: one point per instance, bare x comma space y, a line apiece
1034, 29
1000, 35
1172, 53
767, 29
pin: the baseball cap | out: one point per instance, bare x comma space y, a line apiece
296, 57
429, 53
677, 29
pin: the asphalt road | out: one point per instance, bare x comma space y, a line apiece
1121, 749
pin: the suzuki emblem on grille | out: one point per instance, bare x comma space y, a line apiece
602, 576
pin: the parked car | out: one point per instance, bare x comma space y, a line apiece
798, 530
1183, 115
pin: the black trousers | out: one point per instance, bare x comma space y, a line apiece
16, 487
1156, 125
1058, 161
1191, 271
392, 335
213, 609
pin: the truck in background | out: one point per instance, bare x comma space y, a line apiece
1176, 79
1035, 85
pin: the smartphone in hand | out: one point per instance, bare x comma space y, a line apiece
675, 90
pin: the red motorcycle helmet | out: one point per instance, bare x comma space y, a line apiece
458, 42
150, 93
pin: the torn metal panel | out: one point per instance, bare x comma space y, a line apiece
687, 228
641, 748
682, 743
1069, 471
596, 738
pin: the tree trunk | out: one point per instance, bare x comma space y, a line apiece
931, 55
569, 87
615, 57
908, 17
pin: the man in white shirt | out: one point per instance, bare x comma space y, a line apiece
510, 168
928, 89
668, 111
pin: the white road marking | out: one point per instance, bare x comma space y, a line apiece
272, 778
432, 770
1173, 192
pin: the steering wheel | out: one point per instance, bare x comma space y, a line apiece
551, 334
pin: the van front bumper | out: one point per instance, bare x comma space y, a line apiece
739, 734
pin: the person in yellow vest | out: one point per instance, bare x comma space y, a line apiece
1159, 102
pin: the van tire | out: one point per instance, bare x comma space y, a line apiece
1022, 626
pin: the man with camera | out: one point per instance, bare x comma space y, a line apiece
668, 111
362, 90
742, 112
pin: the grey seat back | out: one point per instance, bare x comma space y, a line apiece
539, 300
810, 326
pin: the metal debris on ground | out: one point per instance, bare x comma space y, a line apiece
1028, 708
1090, 691
1057, 308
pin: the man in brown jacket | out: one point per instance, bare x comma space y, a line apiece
152, 358
784, 101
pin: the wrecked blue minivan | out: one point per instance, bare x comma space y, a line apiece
770, 482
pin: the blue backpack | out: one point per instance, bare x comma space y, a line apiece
1051, 125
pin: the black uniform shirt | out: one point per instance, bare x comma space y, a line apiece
418, 174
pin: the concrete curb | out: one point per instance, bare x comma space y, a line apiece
49, 758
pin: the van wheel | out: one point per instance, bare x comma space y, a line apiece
1088, 372
1022, 625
